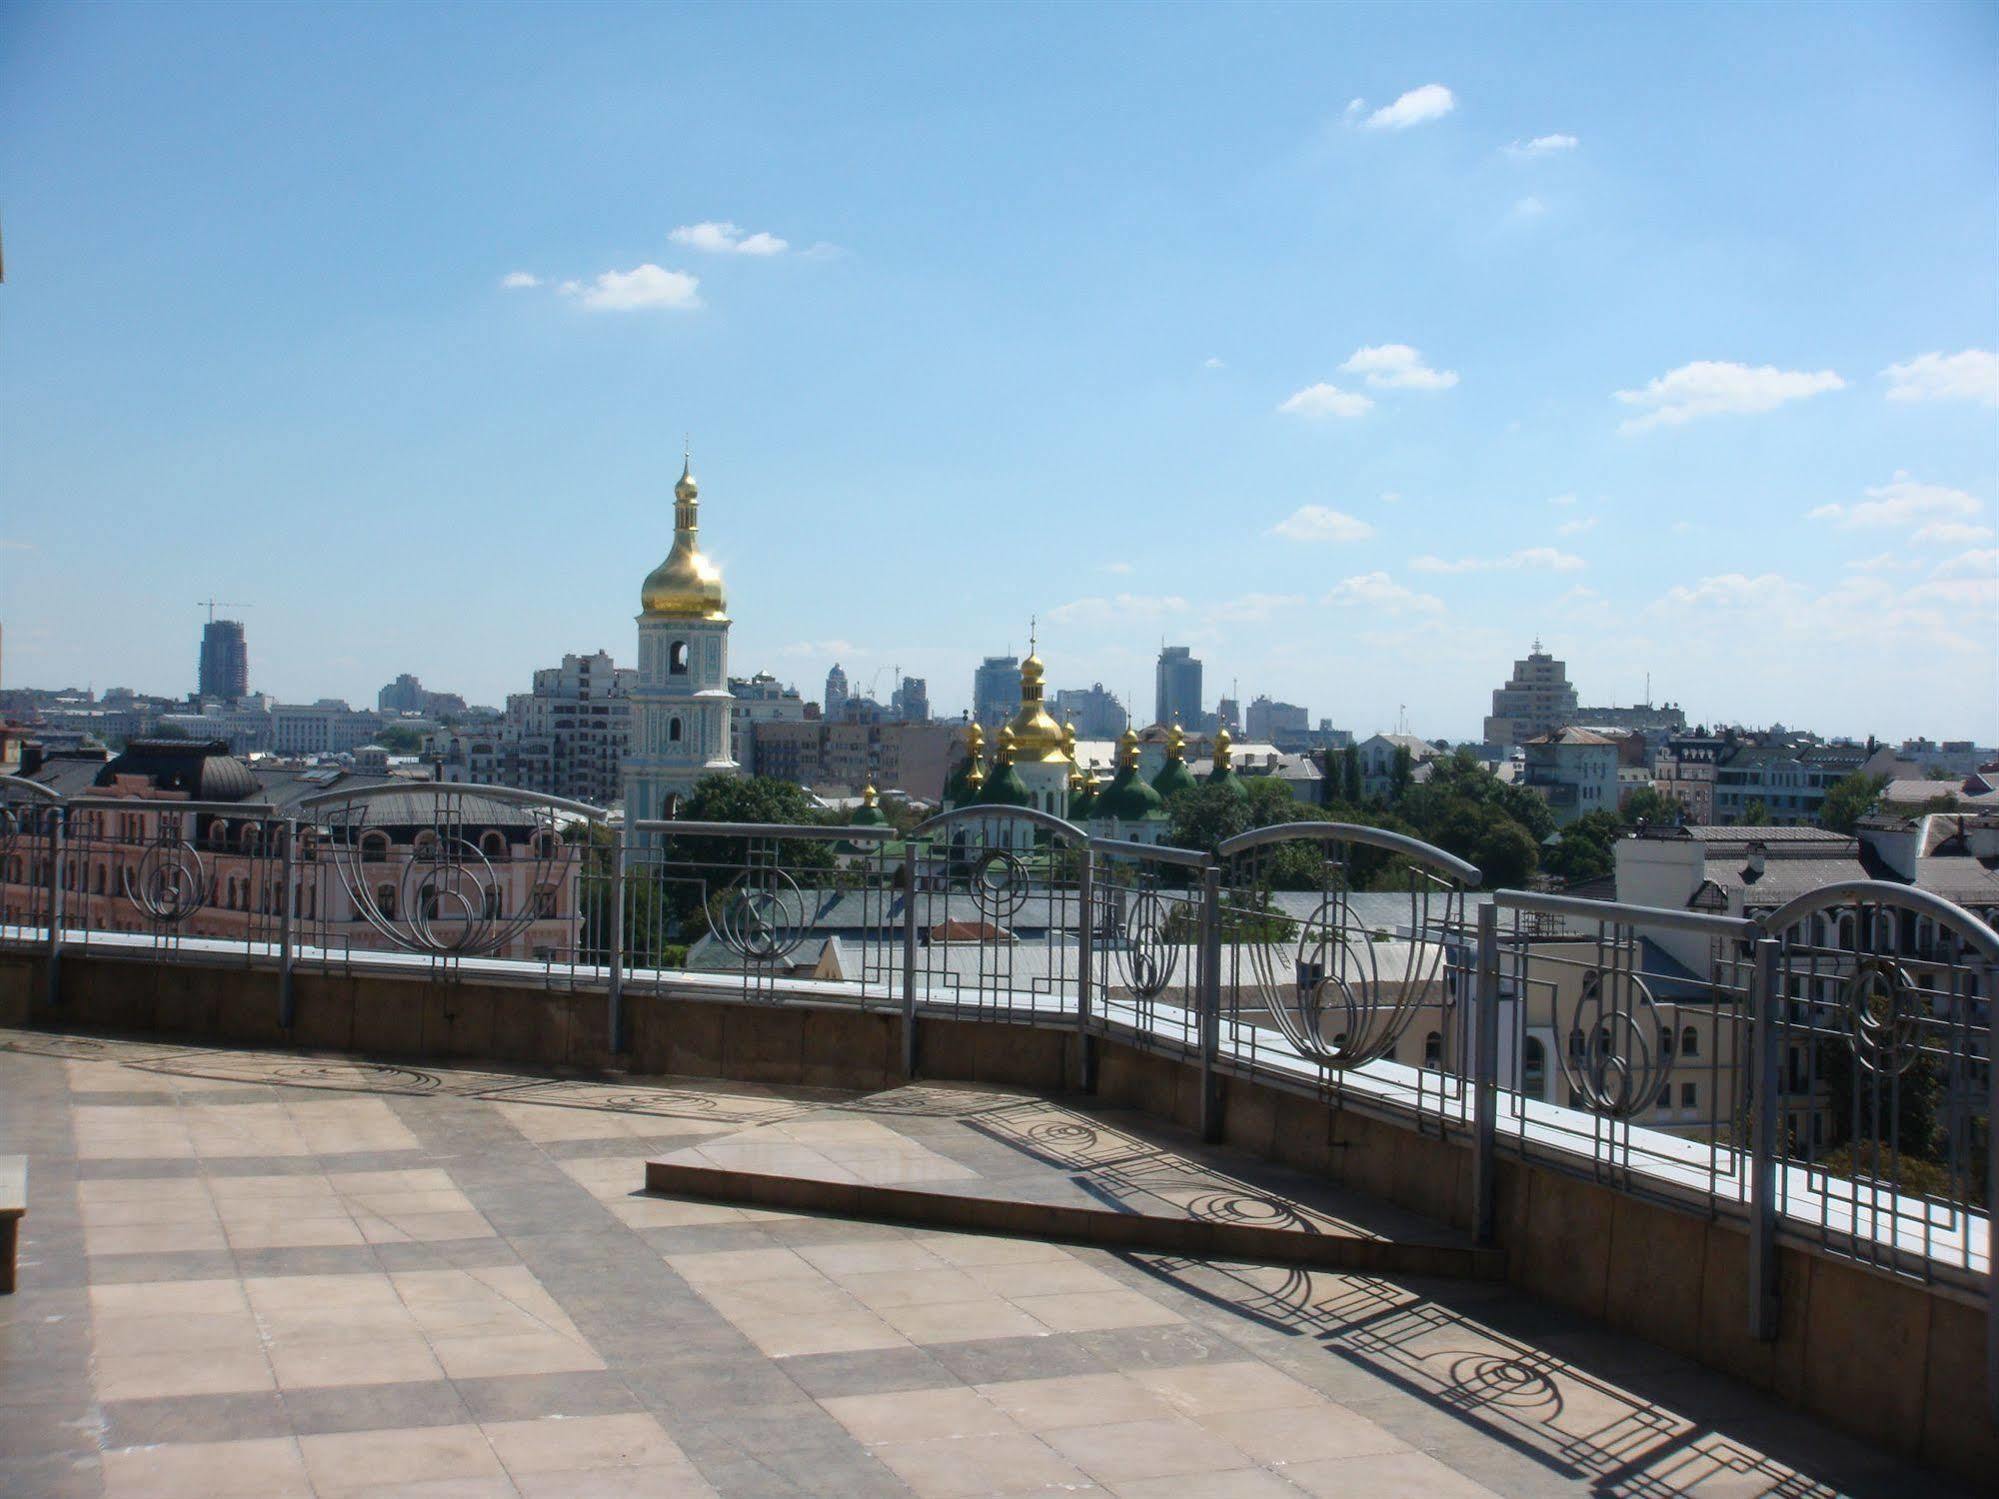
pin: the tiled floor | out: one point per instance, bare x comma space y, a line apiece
250, 1274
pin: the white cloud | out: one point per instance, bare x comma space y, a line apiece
1212, 363
723, 238
834, 648
1391, 497
1529, 207
1115, 567
1710, 387
1903, 502
646, 286
1883, 562
1320, 523
1561, 499
1538, 559
1355, 107
1380, 592
1983, 563
1327, 400
1581, 526
1951, 533
519, 280
1417, 107
1253, 608
1970, 376
1097, 610
1733, 591
1397, 367
1543, 145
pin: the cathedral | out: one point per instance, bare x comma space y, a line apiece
680, 707
1034, 765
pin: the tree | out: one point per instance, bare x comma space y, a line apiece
1505, 854
1586, 849
1646, 805
1849, 799
1349, 780
1756, 815
400, 738
1401, 774
695, 868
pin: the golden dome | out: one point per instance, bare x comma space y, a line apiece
687, 585
1222, 752
1004, 755
1036, 736
1176, 743
1127, 746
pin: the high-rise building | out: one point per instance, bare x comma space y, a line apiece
1536, 700
1228, 715
1094, 710
759, 699
408, 695
1272, 722
911, 702
1178, 698
996, 690
836, 691
680, 707
574, 729
225, 661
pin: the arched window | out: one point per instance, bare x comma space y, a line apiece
231, 902
676, 658
100, 879
427, 902
425, 846
544, 901
1690, 1042
673, 730
1433, 1050
491, 905
493, 844
375, 849
1534, 1069
1665, 1041
249, 837
385, 901
218, 834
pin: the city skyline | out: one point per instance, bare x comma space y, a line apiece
1576, 335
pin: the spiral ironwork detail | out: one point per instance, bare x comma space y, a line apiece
170, 883
1883, 1016
761, 916
1146, 955
1615, 1060
999, 884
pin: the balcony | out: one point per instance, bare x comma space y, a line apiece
953, 1199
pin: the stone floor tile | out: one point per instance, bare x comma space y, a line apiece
1211, 1388
871, 1371
348, 1461
492, 1355
734, 1265
178, 1298
564, 1444
860, 1259
376, 1360
952, 1467
1075, 1400
1158, 1448
295, 1233
962, 1321
914, 1415
121, 1337
981, 1249
267, 1467
1396, 1475
681, 1482
1302, 1433
331, 1409
155, 1375
886, 1288
783, 1335
1242, 1483
1096, 1311
1017, 1278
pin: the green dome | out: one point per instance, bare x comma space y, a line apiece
1082, 803
1173, 777
1129, 799
1005, 788
1224, 775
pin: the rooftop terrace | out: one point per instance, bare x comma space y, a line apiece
271, 1273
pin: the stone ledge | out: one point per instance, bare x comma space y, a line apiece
1100, 1227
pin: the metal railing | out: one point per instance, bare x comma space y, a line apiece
1821, 1076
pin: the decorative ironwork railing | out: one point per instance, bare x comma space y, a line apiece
1822, 1075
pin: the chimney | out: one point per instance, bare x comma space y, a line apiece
1759, 853
33, 757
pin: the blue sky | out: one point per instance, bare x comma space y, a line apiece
1664, 334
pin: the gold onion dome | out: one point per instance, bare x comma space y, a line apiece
687, 585
1223, 772
1036, 735
1174, 776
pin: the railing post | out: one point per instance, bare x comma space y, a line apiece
1485, 1072
1211, 1002
287, 904
909, 858
58, 832
1764, 997
616, 938
1086, 949
1991, 975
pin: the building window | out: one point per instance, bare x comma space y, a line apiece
1689, 1096
544, 901
375, 848
1534, 1069
1433, 1050
676, 658
673, 730
385, 901
1690, 1042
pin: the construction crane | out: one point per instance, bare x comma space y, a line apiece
211, 605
